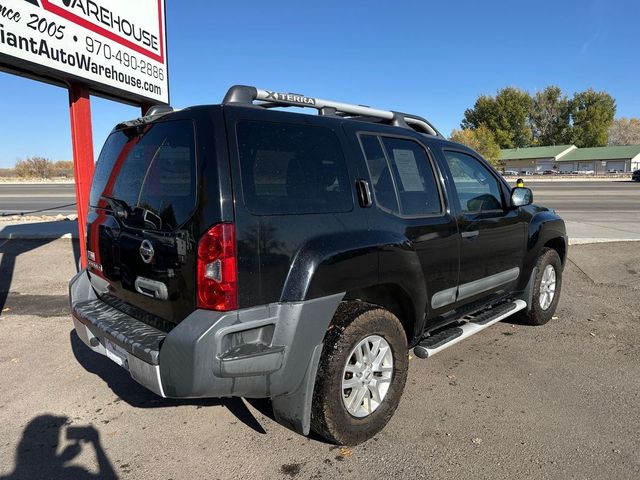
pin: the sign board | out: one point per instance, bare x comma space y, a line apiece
116, 47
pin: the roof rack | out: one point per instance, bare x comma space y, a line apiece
245, 95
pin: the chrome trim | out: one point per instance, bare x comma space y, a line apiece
487, 283
454, 294
472, 234
146, 251
444, 297
151, 288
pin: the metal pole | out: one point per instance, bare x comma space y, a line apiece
82, 138
144, 108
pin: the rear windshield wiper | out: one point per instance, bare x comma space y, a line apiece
119, 207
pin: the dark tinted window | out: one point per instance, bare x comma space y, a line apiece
292, 169
477, 189
414, 177
152, 170
381, 181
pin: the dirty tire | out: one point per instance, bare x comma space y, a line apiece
353, 322
536, 315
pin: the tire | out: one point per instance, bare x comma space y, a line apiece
353, 323
536, 314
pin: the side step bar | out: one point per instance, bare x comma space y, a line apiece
443, 339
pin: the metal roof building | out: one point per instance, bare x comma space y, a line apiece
569, 158
623, 158
534, 159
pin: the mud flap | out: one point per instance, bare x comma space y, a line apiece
294, 409
527, 294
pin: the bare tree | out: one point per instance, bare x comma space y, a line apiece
34, 167
625, 131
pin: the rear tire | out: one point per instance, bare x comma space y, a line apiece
338, 415
546, 289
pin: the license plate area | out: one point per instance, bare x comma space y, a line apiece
116, 353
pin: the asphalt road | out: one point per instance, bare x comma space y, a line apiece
587, 196
560, 401
19, 198
593, 210
566, 197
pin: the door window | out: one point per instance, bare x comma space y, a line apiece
477, 189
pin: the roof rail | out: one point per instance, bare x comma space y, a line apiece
246, 95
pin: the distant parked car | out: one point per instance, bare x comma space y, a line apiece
510, 172
551, 172
636, 175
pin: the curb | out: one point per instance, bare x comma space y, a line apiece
35, 236
586, 241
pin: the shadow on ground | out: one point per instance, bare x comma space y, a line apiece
49, 444
10, 250
134, 394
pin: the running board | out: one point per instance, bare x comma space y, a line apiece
442, 340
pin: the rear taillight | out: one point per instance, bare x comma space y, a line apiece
217, 274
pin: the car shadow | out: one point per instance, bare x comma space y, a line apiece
135, 395
13, 244
44, 436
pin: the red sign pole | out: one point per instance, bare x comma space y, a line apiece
82, 138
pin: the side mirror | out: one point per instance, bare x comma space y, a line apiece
521, 196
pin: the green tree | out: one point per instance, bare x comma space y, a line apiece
592, 114
481, 140
625, 131
550, 117
506, 115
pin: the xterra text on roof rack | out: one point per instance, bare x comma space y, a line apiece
241, 250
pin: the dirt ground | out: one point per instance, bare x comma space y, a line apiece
560, 401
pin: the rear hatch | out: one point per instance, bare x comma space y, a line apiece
141, 233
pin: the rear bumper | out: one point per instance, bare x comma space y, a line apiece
266, 351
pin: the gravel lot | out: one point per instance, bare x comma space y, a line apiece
559, 401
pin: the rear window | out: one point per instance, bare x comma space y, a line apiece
292, 169
150, 172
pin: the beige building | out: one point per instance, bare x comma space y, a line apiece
534, 159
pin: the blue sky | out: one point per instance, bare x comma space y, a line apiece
428, 58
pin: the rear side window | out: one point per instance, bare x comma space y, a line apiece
151, 172
405, 167
292, 169
380, 173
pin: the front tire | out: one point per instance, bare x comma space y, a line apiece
361, 375
546, 289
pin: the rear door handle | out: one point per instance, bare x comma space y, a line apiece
471, 235
364, 193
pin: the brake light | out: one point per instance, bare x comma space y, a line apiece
217, 270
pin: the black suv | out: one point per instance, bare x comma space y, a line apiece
242, 250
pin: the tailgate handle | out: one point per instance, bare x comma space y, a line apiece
151, 288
